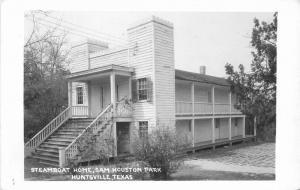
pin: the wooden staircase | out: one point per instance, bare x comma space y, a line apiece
56, 143
47, 151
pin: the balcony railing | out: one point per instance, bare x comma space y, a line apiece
80, 111
183, 107
186, 108
222, 108
203, 108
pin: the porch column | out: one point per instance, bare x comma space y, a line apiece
193, 97
88, 84
129, 88
213, 129
230, 102
193, 132
113, 90
254, 127
113, 102
229, 128
243, 126
69, 93
230, 115
213, 113
213, 99
115, 148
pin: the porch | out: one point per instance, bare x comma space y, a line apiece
91, 91
194, 98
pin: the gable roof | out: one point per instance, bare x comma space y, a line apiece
197, 77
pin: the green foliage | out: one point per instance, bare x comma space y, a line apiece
256, 91
45, 87
159, 150
94, 146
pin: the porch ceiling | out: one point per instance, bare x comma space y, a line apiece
100, 72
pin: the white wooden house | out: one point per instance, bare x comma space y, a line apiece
102, 79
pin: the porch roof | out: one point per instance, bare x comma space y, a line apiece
121, 70
196, 77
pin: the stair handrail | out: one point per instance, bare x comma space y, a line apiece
55, 123
85, 130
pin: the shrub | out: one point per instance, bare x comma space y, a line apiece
159, 150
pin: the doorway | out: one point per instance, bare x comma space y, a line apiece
123, 138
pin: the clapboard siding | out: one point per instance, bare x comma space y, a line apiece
80, 58
164, 75
141, 59
115, 58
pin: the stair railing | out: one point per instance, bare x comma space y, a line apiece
70, 151
47, 130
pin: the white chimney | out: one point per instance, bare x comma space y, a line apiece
202, 70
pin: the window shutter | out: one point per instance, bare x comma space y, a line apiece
134, 90
149, 89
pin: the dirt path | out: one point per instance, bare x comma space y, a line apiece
252, 161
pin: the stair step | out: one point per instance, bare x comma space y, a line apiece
54, 155
74, 127
63, 136
71, 130
66, 133
56, 143
50, 146
53, 150
49, 163
43, 158
61, 139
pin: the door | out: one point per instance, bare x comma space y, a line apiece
123, 137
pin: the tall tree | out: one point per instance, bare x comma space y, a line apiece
256, 91
45, 63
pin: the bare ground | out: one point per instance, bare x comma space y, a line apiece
248, 161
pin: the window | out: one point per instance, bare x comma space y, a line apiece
79, 91
143, 129
142, 89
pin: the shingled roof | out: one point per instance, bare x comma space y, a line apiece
197, 77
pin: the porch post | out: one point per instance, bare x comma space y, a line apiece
89, 98
129, 88
69, 93
61, 156
230, 103
213, 99
213, 129
193, 132
113, 90
243, 125
230, 115
254, 127
113, 102
193, 98
213, 113
115, 148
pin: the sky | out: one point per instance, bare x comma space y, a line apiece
200, 38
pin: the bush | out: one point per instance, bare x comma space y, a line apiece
159, 150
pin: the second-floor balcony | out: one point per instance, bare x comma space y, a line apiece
194, 98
